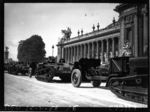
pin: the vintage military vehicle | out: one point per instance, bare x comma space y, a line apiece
126, 77
88, 69
18, 67
11, 68
6, 65
46, 71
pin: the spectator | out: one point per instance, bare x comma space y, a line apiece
33, 67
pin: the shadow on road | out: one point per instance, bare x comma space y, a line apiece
60, 81
100, 87
85, 87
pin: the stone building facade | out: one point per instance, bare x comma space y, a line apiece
132, 26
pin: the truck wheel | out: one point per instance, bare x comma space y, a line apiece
96, 83
76, 77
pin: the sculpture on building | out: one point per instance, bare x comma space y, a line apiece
127, 49
66, 34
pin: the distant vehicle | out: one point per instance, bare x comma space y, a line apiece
18, 67
126, 77
46, 71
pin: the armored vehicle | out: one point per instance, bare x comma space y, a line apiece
6, 65
46, 71
126, 77
11, 68
23, 69
18, 67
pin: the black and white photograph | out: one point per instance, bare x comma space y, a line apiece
76, 55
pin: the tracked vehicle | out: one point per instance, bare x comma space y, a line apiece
16, 68
126, 77
47, 71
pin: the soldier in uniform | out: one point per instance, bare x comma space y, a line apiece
32, 69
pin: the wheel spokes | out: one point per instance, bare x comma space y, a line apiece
75, 78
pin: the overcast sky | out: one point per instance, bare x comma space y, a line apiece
22, 20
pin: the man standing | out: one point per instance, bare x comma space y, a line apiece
33, 67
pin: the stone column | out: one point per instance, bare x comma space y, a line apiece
145, 39
122, 35
107, 51
68, 54
136, 37
77, 53
62, 53
81, 47
88, 50
85, 51
71, 54
113, 47
74, 53
92, 52
102, 51
97, 49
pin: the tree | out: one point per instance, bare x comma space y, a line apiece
31, 49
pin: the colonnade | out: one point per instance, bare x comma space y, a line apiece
101, 49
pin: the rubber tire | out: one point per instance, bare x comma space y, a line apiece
79, 78
96, 83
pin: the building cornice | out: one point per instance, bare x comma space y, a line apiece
91, 35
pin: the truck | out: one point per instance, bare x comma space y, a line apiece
127, 77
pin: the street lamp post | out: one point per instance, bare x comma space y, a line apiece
52, 50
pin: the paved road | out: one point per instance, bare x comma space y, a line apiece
25, 91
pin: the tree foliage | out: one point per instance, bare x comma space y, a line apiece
31, 49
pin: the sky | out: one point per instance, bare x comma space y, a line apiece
22, 20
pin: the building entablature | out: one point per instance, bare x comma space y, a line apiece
126, 10
93, 35
92, 40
